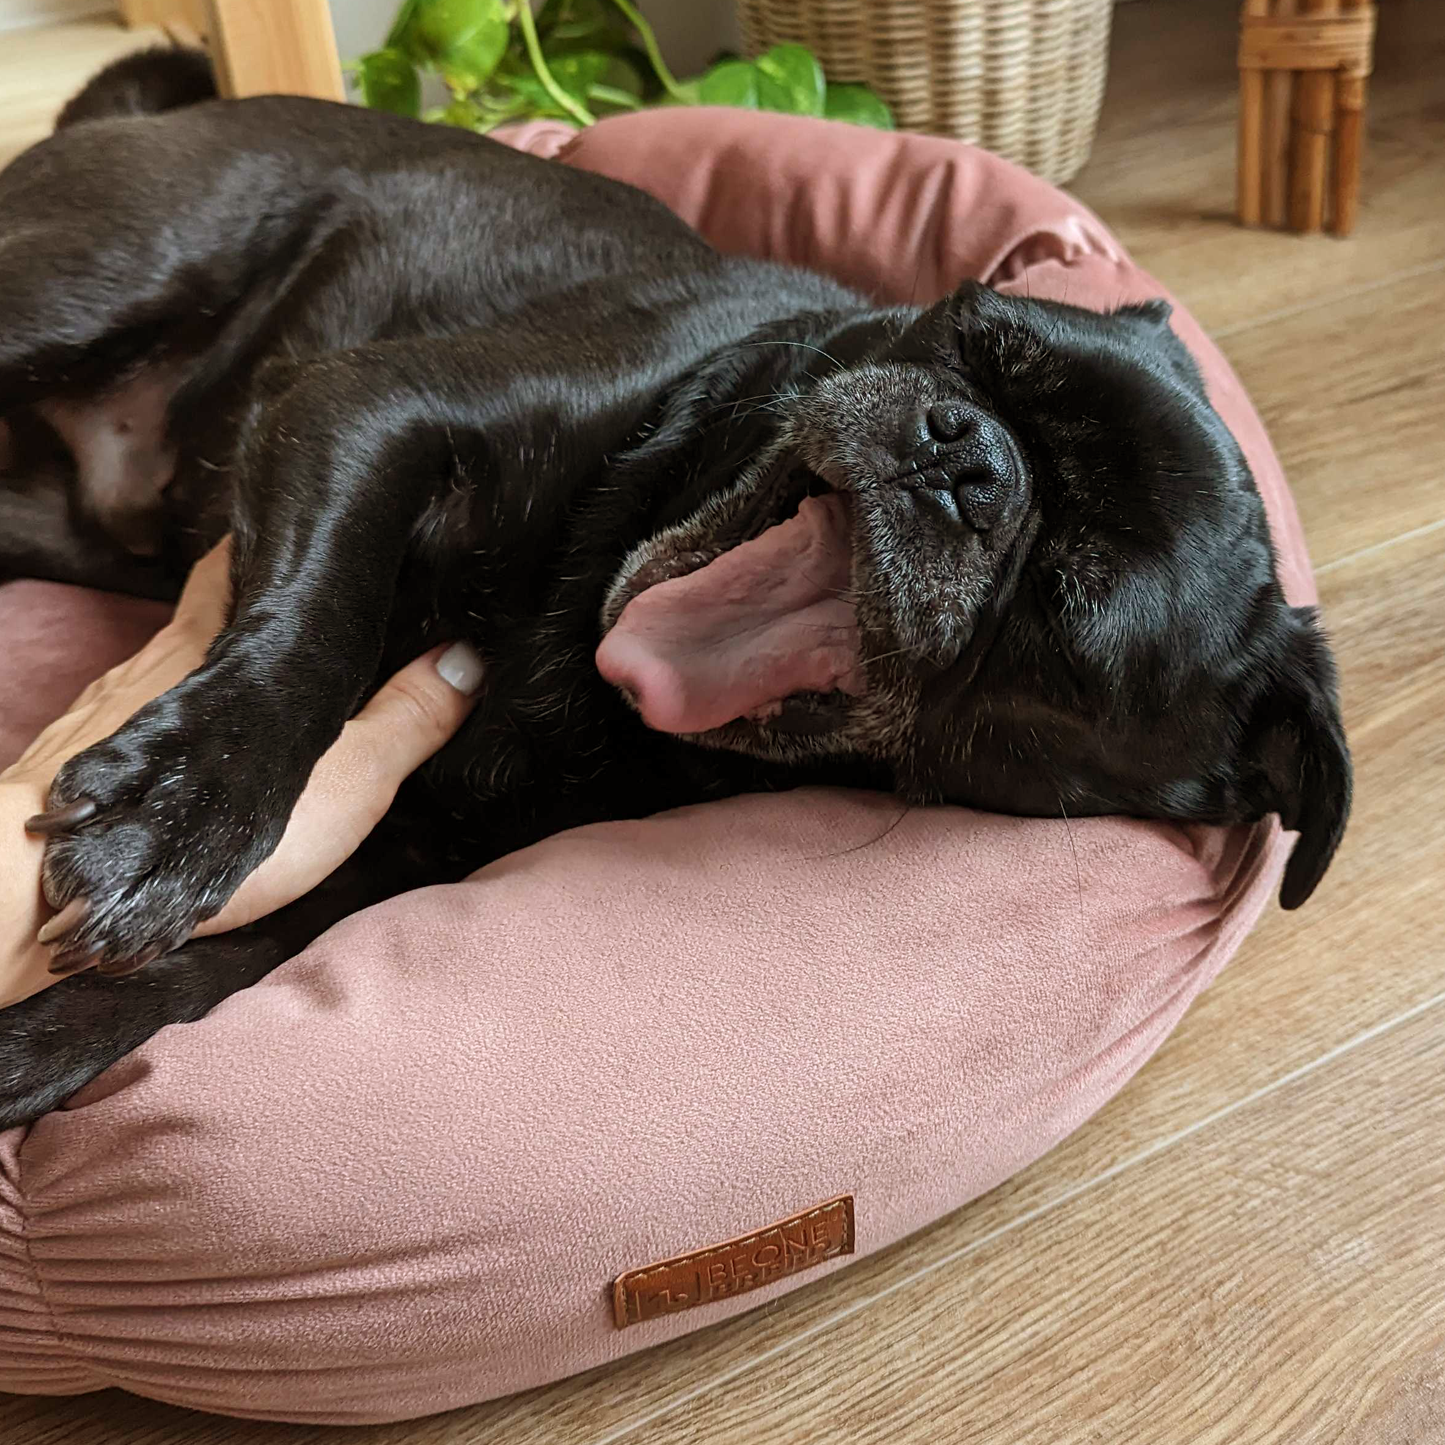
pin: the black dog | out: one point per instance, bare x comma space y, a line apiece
715, 525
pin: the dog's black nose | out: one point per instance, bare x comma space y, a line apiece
948, 420
962, 451
926, 428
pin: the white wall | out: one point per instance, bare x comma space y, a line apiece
360, 24
691, 32
17, 14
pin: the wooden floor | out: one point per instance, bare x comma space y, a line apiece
1248, 1245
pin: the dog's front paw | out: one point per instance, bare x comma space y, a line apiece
148, 833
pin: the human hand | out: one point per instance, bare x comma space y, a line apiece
350, 789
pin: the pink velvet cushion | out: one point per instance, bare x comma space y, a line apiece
401, 1173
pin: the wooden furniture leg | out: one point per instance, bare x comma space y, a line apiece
1251, 132
1313, 124
1349, 139
1303, 66
275, 47
1274, 165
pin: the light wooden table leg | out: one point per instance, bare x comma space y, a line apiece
1314, 124
1349, 142
1251, 134
275, 47
1275, 140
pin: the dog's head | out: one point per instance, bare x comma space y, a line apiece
1007, 549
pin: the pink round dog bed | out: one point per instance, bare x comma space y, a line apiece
445, 1153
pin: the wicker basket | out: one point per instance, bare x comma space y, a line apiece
1024, 78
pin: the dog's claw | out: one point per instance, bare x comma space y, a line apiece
61, 820
73, 913
119, 967
75, 960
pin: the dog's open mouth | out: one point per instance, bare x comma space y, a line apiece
764, 629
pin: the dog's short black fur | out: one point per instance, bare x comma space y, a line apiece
438, 389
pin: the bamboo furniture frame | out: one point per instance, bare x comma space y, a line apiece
1303, 67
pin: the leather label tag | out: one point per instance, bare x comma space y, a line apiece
742, 1264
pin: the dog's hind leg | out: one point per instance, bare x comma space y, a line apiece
123, 452
58, 1040
132, 306
44, 531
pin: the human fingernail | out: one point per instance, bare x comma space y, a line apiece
461, 667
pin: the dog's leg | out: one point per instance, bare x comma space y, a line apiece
156, 827
40, 535
122, 452
131, 314
57, 1041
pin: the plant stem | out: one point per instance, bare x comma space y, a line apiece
579, 113
649, 44
611, 95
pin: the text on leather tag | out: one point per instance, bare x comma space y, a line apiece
747, 1262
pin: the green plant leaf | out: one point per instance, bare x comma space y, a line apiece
564, 25
647, 37
487, 110
575, 73
464, 114
578, 70
733, 82
537, 102
464, 39
399, 37
389, 81
772, 96
622, 73
467, 64
530, 89
858, 104
796, 80
597, 52
634, 59
572, 105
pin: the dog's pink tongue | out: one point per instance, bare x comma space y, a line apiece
736, 637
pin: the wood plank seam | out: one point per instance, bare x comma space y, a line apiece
792, 1342
1332, 298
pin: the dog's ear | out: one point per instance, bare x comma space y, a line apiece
1155, 313
1295, 760
978, 302
1149, 322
